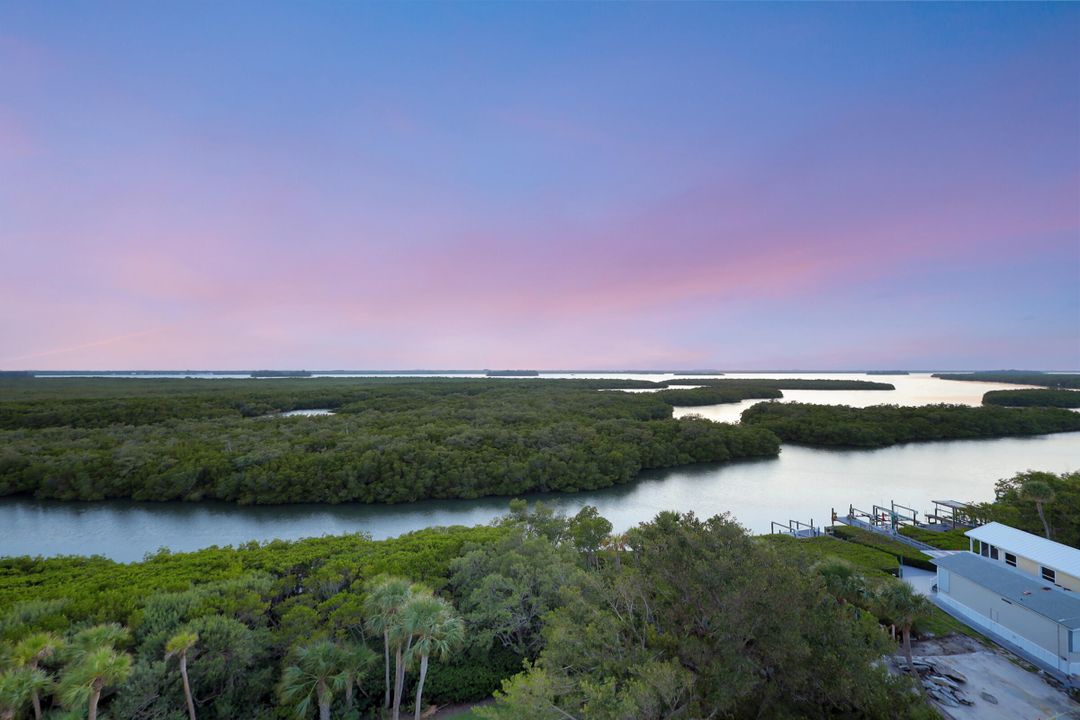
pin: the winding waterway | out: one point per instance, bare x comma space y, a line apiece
802, 484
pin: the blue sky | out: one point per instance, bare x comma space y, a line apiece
540, 185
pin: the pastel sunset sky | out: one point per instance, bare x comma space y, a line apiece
343, 185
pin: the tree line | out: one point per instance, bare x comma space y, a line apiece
1033, 398
678, 616
1018, 377
387, 442
1038, 502
883, 425
33, 403
780, 383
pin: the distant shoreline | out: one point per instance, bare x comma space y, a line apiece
681, 373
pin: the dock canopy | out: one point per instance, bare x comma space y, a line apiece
954, 504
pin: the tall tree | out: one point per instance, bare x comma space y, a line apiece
843, 580
386, 598
31, 652
589, 529
17, 687
704, 622
94, 638
89, 676
1039, 492
311, 676
898, 602
179, 645
436, 630
356, 659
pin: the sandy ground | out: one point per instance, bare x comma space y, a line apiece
1020, 694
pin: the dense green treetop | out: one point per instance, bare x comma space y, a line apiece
882, 425
705, 621
1033, 398
693, 397
389, 440
1015, 505
677, 614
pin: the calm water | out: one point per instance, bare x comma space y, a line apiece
914, 389
802, 484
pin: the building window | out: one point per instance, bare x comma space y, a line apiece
984, 549
1048, 574
993, 553
1010, 559
1074, 641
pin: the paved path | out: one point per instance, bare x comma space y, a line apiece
921, 581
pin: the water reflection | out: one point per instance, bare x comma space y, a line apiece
803, 483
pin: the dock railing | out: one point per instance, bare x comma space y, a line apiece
796, 529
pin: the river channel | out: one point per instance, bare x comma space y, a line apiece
802, 484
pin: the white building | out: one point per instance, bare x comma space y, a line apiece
1020, 586
1035, 555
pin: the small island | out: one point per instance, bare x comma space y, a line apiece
1018, 377
280, 374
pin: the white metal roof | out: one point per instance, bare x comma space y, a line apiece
1020, 588
1048, 553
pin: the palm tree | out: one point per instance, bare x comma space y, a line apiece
19, 686
382, 607
1039, 492
355, 661
436, 630
93, 672
94, 638
311, 675
900, 603
179, 645
842, 580
31, 651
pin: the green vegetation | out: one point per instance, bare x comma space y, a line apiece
869, 560
945, 540
883, 425
706, 622
900, 552
1033, 398
1038, 502
679, 616
716, 391
861, 568
226, 633
389, 441
781, 384
1018, 377
692, 397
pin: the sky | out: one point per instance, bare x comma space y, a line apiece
332, 185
